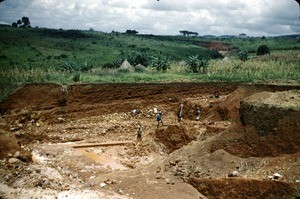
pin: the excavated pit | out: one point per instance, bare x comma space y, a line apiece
251, 129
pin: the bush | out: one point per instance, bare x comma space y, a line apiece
138, 58
195, 64
160, 63
263, 50
139, 68
72, 66
109, 66
243, 55
76, 77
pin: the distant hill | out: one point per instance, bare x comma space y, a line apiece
238, 36
3, 23
48, 48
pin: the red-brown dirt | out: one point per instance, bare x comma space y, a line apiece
242, 188
173, 137
271, 123
43, 118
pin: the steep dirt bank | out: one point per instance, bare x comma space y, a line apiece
270, 126
242, 188
80, 100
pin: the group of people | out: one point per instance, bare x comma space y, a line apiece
159, 119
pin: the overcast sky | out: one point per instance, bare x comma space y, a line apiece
164, 17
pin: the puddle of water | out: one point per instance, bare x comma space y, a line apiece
107, 159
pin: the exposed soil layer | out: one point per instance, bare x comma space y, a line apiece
248, 129
271, 123
243, 188
174, 137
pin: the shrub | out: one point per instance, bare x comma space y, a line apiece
243, 55
138, 58
76, 77
160, 63
139, 68
195, 64
263, 50
109, 66
73, 66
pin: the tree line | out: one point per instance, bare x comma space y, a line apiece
24, 23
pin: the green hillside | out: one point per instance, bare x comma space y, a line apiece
36, 55
49, 48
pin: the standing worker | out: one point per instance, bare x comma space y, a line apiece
159, 118
198, 113
179, 114
139, 133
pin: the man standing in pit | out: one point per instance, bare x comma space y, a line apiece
179, 114
139, 132
159, 119
198, 114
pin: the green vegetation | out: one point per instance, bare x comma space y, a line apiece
263, 50
38, 55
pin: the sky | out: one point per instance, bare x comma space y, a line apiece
163, 17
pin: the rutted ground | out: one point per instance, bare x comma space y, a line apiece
188, 160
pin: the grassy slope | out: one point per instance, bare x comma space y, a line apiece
37, 55
43, 49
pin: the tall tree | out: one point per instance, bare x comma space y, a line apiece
19, 22
26, 21
132, 32
14, 24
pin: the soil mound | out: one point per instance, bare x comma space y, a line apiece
271, 123
173, 137
228, 109
9, 147
266, 110
243, 188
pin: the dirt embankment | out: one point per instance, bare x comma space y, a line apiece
270, 126
80, 100
173, 137
48, 101
242, 188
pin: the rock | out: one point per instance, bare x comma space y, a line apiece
102, 185
172, 163
17, 154
158, 169
61, 119
159, 177
15, 128
13, 160
168, 181
276, 176
120, 191
233, 174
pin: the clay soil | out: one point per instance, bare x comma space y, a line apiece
223, 155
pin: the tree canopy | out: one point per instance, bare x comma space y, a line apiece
132, 32
22, 23
188, 33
